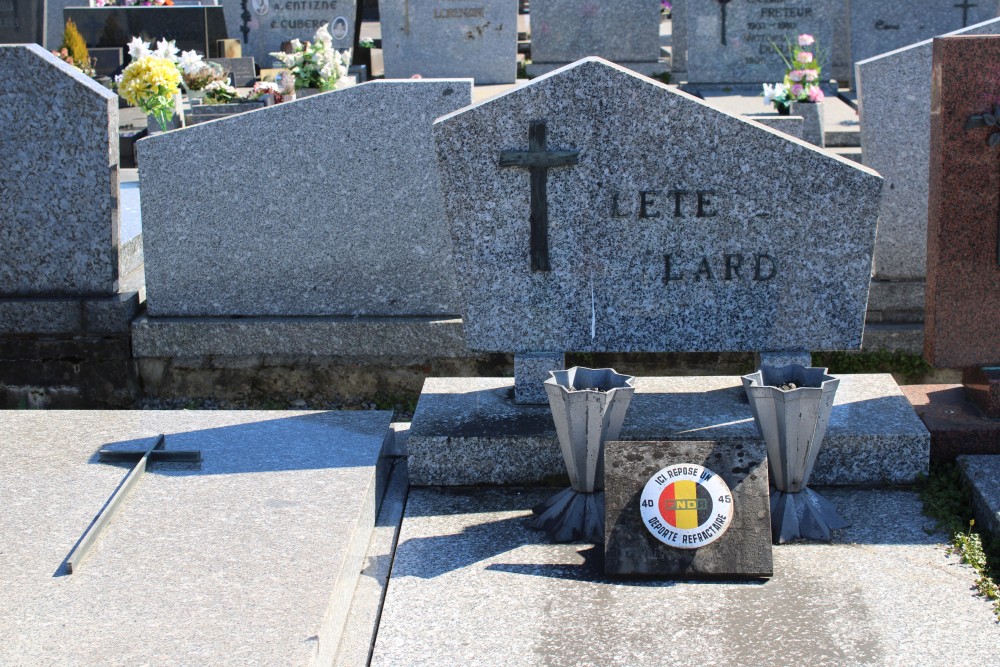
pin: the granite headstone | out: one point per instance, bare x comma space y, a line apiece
678, 41
264, 25
439, 38
660, 223
563, 31
329, 205
878, 26
963, 258
734, 41
891, 87
59, 176
241, 70
698, 534
21, 21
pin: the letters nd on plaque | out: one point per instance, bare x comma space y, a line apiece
538, 160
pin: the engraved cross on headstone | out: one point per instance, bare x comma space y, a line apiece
723, 4
538, 160
965, 6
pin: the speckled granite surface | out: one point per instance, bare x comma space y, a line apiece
963, 277
891, 86
473, 585
468, 431
250, 558
563, 31
983, 475
331, 206
751, 272
58, 178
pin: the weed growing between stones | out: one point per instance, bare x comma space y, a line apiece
946, 500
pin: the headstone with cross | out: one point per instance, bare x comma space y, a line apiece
142, 458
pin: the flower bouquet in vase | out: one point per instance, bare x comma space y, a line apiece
800, 92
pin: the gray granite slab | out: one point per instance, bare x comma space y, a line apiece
563, 31
351, 336
646, 151
249, 558
751, 29
742, 551
469, 431
982, 473
678, 41
442, 38
892, 86
473, 585
840, 48
879, 26
339, 208
58, 178
790, 125
272, 22
531, 370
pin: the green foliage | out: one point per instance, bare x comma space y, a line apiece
73, 42
910, 367
946, 500
663, 77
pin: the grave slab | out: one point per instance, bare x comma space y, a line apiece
439, 39
267, 24
250, 557
655, 235
331, 250
469, 430
982, 473
563, 31
891, 86
470, 581
956, 425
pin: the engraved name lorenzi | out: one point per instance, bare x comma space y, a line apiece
680, 203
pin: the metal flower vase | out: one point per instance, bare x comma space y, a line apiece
792, 422
588, 406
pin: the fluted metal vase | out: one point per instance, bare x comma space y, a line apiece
588, 407
793, 423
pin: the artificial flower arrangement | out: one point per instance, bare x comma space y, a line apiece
131, 3
74, 50
154, 77
63, 55
802, 76
220, 92
315, 64
198, 75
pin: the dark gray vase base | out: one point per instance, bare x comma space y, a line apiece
572, 516
803, 514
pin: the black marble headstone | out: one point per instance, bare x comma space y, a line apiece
241, 69
22, 21
742, 551
191, 28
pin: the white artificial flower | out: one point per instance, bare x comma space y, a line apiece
138, 48
168, 50
323, 35
296, 45
190, 61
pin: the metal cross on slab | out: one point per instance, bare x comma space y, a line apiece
965, 7
988, 119
142, 458
723, 4
539, 160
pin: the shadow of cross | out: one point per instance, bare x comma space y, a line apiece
538, 160
723, 19
142, 458
965, 6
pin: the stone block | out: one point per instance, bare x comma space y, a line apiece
982, 474
468, 431
963, 289
896, 295
732, 42
438, 39
563, 31
678, 40
742, 551
653, 241
330, 250
892, 86
957, 426
531, 370
59, 178
111, 315
793, 126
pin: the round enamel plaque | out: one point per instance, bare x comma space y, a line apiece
686, 506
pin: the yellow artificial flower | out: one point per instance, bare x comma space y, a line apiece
147, 79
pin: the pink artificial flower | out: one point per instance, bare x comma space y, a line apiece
816, 94
811, 75
804, 57
797, 90
796, 75
806, 40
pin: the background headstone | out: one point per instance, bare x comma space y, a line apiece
678, 41
441, 39
637, 264
242, 70
894, 92
733, 42
269, 23
22, 21
963, 275
283, 211
878, 26
58, 178
563, 31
